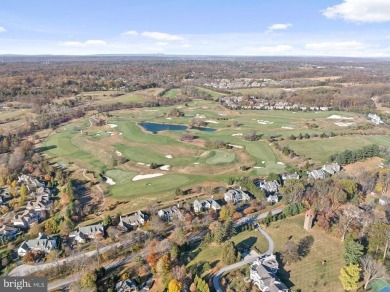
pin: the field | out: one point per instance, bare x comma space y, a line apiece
320, 149
187, 163
309, 274
212, 254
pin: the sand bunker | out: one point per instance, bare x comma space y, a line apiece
169, 156
288, 128
200, 116
140, 163
236, 146
145, 176
165, 167
337, 117
263, 122
256, 167
212, 122
118, 153
110, 181
238, 134
112, 125
222, 114
196, 162
169, 118
281, 163
340, 124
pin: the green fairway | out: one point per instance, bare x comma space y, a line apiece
120, 176
151, 186
321, 149
171, 93
62, 145
219, 156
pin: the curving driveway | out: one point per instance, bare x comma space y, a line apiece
250, 258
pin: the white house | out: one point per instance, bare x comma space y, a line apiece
273, 199
30, 182
41, 244
235, 196
263, 274
203, 205
132, 220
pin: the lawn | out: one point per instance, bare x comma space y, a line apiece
321, 149
213, 253
309, 274
219, 157
148, 187
171, 93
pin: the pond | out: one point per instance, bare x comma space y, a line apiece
155, 127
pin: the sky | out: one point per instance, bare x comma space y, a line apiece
350, 28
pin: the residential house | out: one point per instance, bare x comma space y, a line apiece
288, 176
41, 244
126, 286
40, 203
269, 187
7, 232
169, 213
273, 199
375, 119
235, 196
30, 182
76, 237
316, 174
384, 201
332, 168
204, 205
92, 231
132, 220
26, 219
263, 274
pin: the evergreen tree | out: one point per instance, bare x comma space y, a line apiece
353, 252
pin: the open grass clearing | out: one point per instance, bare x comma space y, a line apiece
309, 274
321, 149
212, 253
219, 157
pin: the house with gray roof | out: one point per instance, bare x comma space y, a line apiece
288, 176
92, 231
269, 187
207, 204
132, 220
8, 232
263, 274
40, 203
235, 196
30, 182
42, 243
26, 219
331, 168
316, 174
273, 199
168, 214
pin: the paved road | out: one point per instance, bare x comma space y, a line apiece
63, 283
250, 258
24, 270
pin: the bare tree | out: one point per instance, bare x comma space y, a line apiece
372, 270
348, 217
